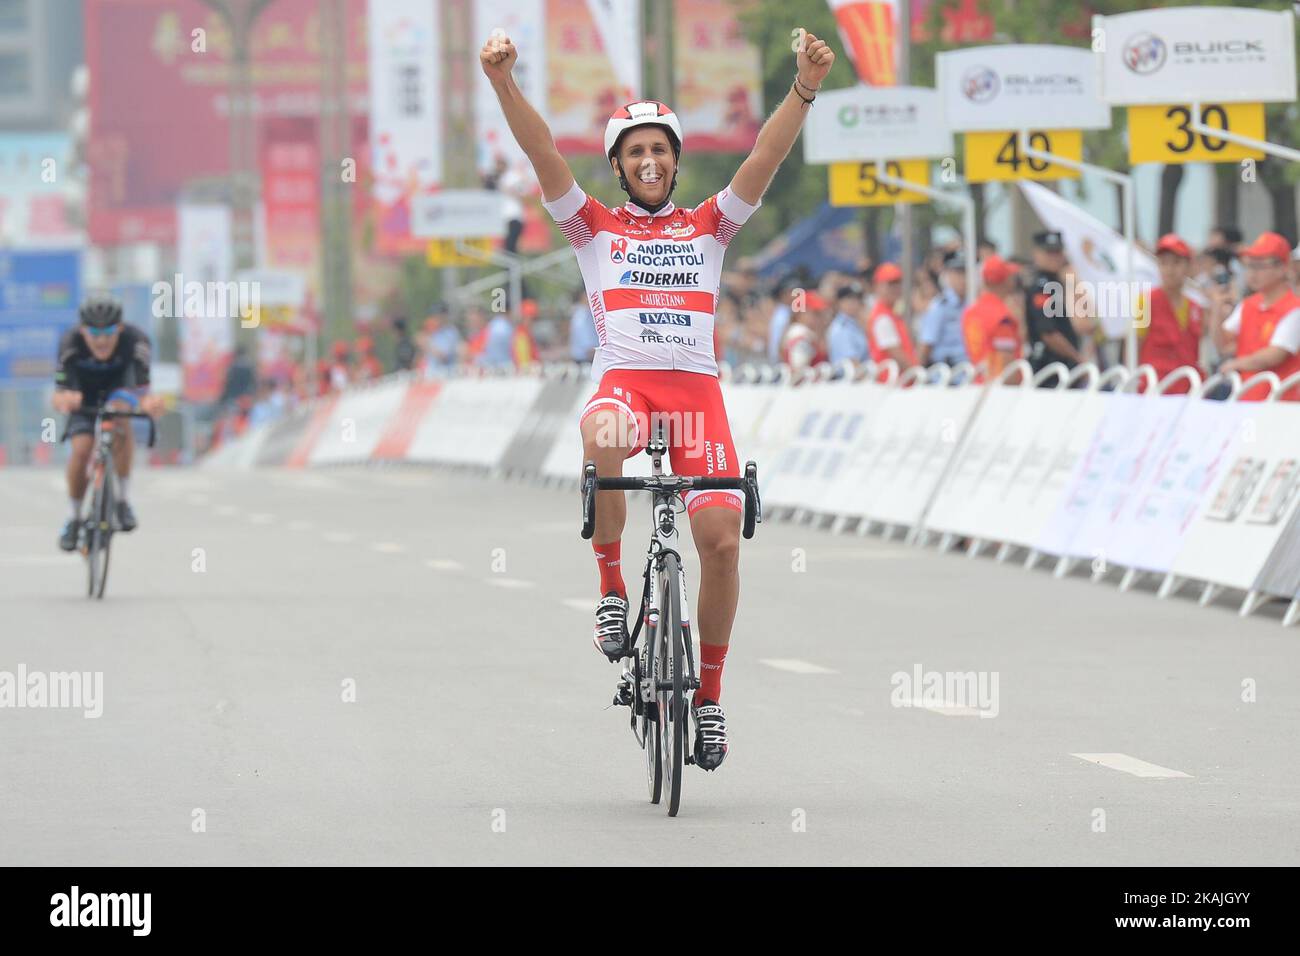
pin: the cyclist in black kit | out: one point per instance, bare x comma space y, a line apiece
102, 362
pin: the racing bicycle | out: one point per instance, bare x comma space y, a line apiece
659, 678
99, 520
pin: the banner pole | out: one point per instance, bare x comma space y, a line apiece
967, 205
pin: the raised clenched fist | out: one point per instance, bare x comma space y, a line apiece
498, 55
814, 59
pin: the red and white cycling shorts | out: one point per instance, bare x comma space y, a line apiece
690, 405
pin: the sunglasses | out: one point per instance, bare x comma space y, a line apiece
104, 332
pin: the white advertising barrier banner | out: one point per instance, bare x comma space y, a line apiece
780, 439
1150, 530
818, 455
405, 103
1015, 461
876, 122
1281, 572
951, 510
565, 458
1065, 427
933, 421
1198, 54
357, 422
474, 420
879, 446
1020, 86
1128, 440
747, 406
241, 453
1239, 522
993, 499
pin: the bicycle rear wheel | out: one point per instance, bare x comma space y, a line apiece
673, 711
101, 534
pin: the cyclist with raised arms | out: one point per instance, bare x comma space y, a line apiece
652, 272
103, 361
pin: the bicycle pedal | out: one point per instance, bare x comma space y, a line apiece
623, 694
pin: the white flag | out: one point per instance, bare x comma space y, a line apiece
619, 23
1096, 252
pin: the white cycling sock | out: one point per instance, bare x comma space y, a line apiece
124, 487
74, 506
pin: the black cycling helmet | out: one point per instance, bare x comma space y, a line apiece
99, 313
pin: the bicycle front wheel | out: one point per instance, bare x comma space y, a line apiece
673, 709
101, 534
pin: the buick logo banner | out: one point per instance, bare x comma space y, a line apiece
1179, 55
980, 84
1021, 86
1145, 53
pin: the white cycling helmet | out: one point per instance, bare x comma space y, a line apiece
643, 113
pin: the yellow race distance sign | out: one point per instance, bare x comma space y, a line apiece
997, 157
1164, 134
443, 252
856, 184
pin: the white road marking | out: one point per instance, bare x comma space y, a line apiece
795, 666
338, 537
300, 524
511, 582
1127, 764
197, 499
227, 510
261, 518
585, 605
388, 547
444, 564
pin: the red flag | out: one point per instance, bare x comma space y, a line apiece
869, 31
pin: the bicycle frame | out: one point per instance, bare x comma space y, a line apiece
663, 540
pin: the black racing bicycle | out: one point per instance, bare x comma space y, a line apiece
99, 520
658, 679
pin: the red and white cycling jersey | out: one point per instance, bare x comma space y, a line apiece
652, 279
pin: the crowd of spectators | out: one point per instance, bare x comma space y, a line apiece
1226, 307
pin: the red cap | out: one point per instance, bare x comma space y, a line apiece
340, 349
528, 308
1171, 242
812, 300
996, 270
364, 344
1269, 245
887, 272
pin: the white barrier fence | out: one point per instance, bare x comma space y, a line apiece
1069, 467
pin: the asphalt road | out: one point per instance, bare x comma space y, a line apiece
457, 611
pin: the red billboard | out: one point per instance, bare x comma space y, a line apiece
160, 101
